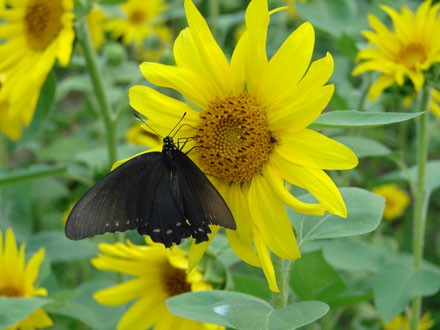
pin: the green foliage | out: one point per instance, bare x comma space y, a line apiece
241, 311
13, 310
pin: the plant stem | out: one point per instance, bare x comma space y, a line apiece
282, 273
420, 196
100, 92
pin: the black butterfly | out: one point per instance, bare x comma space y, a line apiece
161, 194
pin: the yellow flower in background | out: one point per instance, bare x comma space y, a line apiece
406, 51
96, 21
249, 118
34, 34
158, 274
397, 200
401, 322
17, 279
139, 21
435, 102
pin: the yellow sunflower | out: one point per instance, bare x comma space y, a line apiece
159, 274
249, 119
401, 322
17, 279
96, 21
408, 50
139, 21
397, 200
34, 34
435, 103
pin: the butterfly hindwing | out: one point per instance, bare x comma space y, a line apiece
122, 200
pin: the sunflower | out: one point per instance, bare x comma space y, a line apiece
159, 274
17, 279
139, 21
34, 34
397, 200
401, 322
407, 51
435, 103
248, 118
96, 21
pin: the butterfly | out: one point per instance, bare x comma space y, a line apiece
160, 194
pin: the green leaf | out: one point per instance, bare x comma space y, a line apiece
252, 285
432, 175
241, 311
351, 118
364, 147
364, 215
31, 172
14, 309
314, 279
396, 284
85, 309
59, 248
354, 255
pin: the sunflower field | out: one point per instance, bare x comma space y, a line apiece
207, 164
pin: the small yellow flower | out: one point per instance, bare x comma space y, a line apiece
34, 34
435, 102
17, 279
159, 274
139, 21
411, 48
96, 21
401, 322
397, 200
249, 117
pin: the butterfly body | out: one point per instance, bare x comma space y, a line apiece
161, 194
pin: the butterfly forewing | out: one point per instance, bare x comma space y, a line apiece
119, 201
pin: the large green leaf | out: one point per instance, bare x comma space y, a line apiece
396, 284
241, 311
364, 215
59, 248
364, 147
14, 309
351, 118
84, 308
314, 279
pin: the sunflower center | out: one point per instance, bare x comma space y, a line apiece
136, 17
412, 54
175, 282
234, 138
9, 291
43, 22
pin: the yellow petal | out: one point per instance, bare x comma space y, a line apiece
382, 83
311, 149
270, 219
264, 255
190, 84
316, 181
214, 62
288, 65
197, 251
144, 313
238, 64
33, 267
257, 22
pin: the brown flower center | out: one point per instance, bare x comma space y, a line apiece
411, 55
136, 17
43, 22
234, 138
10, 291
174, 281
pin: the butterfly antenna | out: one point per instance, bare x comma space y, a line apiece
183, 116
143, 120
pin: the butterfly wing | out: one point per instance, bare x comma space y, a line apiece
122, 200
201, 201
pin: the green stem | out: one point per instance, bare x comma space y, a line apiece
100, 92
282, 273
420, 196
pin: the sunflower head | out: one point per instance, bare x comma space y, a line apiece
397, 200
17, 278
157, 274
406, 51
